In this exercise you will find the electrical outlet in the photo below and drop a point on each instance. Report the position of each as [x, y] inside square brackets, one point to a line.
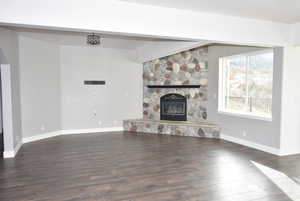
[99, 123]
[95, 113]
[244, 133]
[215, 96]
[43, 127]
[115, 122]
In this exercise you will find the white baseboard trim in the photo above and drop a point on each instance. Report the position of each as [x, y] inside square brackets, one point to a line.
[289, 152]
[8, 154]
[91, 130]
[70, 132]
[12, 154]
[17, 148]
[251, 144]
[40, 137]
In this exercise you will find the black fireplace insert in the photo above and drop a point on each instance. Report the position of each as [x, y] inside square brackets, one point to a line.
[173, 107]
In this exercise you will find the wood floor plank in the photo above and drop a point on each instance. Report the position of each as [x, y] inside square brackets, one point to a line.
[122, 166]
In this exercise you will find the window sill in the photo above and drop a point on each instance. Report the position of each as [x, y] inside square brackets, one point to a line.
[245, 115]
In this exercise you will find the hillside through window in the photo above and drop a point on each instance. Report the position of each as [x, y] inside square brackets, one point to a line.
[245, 84]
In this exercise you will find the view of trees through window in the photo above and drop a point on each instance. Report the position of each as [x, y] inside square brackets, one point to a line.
[246, 85]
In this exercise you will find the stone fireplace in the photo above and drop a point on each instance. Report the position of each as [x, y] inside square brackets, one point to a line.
[175, 96]
[173, 107]
[177, 74]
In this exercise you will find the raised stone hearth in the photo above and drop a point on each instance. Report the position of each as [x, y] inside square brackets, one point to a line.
[180, 128]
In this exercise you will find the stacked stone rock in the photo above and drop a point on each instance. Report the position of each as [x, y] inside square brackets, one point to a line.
[208, 131]
[185, 68]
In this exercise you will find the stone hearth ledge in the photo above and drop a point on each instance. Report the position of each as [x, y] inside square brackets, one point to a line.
[179, 128]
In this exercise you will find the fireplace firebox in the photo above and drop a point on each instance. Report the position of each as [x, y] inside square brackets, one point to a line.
[173, 107]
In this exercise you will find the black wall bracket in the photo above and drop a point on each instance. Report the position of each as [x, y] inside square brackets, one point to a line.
[94, 82]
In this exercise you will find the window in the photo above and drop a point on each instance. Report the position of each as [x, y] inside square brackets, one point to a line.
[245, 84]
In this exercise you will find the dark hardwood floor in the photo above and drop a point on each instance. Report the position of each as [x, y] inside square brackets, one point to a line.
[135, 167]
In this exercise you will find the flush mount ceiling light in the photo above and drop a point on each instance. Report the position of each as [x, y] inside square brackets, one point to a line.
[93, 39]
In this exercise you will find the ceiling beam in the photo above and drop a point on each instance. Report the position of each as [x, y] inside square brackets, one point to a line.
[116, 17]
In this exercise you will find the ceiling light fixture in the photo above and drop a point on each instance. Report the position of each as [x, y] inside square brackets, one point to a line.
[93, 39]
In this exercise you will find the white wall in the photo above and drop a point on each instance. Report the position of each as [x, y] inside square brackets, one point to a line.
[40, 86]
[151, 50]
[85, 106]
[9, 46]
[8, 130]
[257, 131]
[295, 34]
[290, 120]
[53, 96]
[128, 18]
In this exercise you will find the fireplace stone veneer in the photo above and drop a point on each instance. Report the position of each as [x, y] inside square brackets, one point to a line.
[189, 68]
[172, 110]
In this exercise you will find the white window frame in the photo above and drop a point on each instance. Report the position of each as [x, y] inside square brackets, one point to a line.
[221, 88]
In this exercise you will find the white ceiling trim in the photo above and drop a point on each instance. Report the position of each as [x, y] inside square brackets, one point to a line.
[143, 20]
